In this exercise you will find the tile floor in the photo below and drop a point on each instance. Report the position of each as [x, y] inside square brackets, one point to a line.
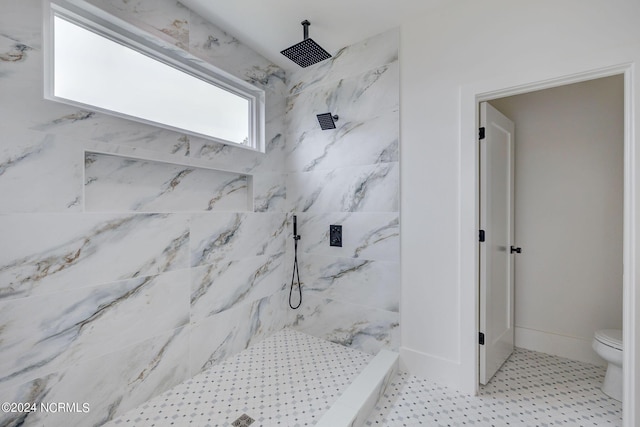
[289, 379]
[531, 389]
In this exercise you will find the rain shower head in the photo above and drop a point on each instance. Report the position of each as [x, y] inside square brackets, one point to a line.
[327, 121]
[307, 52]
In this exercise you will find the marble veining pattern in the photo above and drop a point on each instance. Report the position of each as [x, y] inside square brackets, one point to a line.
[351, 144]
[167, 16]
[217, 237]
[354, 280]
[364, 328]
[366, 235]
[21, 27]
[269, 193]
[357, 99]
[80, 250]
[105, 298]
[143, 186]
[25, 154]
[245, 324]
[368, 54]
[68, 327]
[105, 269]
[120, 380]
[372, 188]
[220, 286]
[348, 176]
[222, 49]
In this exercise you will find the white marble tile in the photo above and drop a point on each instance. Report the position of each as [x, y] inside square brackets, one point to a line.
[217, 237]
[118, 132]
[372, 188]
[121, 184]
[21, 22]
[110, 384]
[352, 143]
[363, 328]
[269, 192]
[167, 16]
[365, 235]
[223, 285]
[25, 157]
[244, 324]
[365, 55]
[355, 100]
[226, 52]
[67, 327]
[354, 280]
[51, 253]
[21, 73]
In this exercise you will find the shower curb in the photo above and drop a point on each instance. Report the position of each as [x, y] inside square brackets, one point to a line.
[356, 403]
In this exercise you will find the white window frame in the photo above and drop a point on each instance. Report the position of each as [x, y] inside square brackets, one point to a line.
[98, 21]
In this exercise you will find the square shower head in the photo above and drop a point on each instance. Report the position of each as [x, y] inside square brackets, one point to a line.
[306, 53]
[327, 121]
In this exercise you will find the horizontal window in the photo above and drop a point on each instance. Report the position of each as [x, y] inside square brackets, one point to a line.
[100, 62]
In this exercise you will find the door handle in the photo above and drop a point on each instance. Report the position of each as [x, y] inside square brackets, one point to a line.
[516, 250]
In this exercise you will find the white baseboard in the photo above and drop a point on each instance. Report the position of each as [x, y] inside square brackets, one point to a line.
[441, 371]
[557, 345]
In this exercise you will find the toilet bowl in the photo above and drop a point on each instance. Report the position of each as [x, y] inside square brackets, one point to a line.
[608, 344]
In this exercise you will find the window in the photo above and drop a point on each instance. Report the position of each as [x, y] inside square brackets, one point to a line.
[97, 61]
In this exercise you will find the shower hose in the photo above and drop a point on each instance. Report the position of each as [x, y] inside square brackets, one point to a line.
[295, 273]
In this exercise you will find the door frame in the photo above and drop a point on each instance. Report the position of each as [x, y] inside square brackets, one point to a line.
[470, 97]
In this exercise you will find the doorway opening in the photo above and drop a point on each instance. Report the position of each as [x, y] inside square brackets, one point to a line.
[538, 307]
[567, 214]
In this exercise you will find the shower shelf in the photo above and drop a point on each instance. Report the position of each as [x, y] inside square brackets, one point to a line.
[125, 179]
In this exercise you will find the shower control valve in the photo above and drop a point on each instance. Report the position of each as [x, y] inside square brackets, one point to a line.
[335, 235]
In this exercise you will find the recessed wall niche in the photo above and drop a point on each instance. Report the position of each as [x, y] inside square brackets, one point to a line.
[116, 183]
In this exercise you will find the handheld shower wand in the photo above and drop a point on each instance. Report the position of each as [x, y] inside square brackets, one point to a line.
[296, 237]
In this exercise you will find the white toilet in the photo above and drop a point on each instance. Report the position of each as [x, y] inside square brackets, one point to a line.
[608, 344]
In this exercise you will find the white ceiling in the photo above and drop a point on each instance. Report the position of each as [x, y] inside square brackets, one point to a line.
[269, 26]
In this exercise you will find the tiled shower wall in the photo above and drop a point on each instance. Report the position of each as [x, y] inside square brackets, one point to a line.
[348, 176]
[124, 271]
[127, 262]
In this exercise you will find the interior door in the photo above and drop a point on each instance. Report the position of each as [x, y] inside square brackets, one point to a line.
[496, 259]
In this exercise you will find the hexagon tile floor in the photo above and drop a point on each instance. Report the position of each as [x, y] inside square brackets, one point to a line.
[531, 389]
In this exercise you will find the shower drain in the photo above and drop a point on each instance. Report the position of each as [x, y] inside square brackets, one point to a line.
[244, 421]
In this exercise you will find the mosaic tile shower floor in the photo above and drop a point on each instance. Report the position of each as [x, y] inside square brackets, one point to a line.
[289, 379]
[531, 389]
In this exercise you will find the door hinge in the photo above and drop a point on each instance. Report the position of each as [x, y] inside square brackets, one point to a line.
[482, 235]
[481, 339]
[481, 133]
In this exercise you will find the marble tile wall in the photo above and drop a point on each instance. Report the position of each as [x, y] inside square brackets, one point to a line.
[122, 277]
[122, 184]
[348, 176]
[113, 288]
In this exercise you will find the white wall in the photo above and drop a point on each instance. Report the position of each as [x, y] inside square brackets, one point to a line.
[568, 207]
[447, 57]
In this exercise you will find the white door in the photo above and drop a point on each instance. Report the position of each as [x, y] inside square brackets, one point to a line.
[496, 260]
